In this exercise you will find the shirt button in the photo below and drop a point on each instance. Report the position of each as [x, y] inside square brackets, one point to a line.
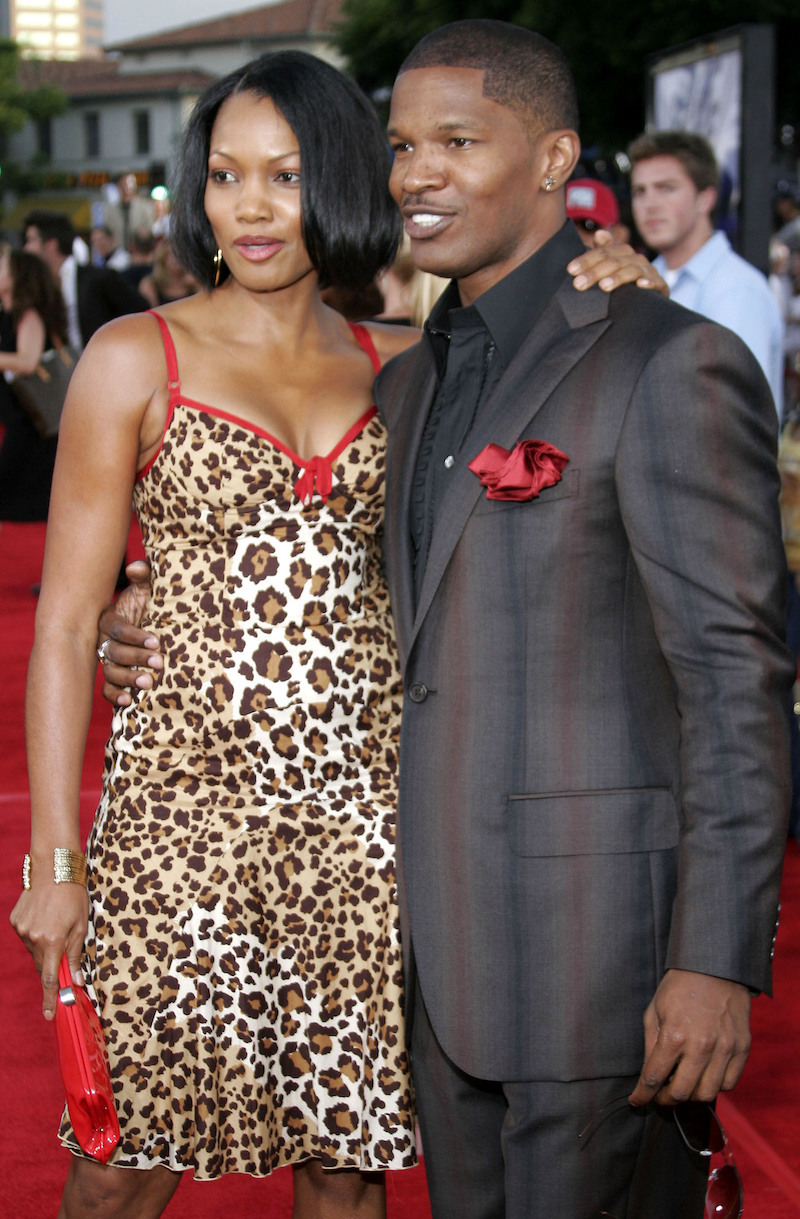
[417, 692]
[449, 462]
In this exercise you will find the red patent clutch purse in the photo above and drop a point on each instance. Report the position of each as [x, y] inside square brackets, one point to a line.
[83, 1061]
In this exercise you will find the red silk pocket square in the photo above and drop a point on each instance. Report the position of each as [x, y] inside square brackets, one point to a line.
[519, 473]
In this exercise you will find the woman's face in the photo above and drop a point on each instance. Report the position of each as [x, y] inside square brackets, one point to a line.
[252, 196]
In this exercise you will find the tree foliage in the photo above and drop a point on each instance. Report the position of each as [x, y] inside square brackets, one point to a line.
[605, 41]
[18, 102]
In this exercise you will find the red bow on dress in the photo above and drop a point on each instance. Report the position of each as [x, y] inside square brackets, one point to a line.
[317, 476]
[519, 473]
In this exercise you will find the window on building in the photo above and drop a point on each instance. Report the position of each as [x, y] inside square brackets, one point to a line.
[91, 129]
[141, 131]
[38, 40]
[32, 21]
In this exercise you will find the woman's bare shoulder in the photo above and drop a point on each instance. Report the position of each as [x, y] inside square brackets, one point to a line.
[138, 336]
[125, 354]
[391, 340]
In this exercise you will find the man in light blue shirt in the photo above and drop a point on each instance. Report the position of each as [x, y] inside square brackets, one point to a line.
[674, 192]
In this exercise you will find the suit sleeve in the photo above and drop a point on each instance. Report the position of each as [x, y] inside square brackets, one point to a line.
[697, 487]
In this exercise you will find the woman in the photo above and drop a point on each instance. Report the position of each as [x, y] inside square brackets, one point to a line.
[408, 293]
[33, 305]
[242, 945]
[169, 280]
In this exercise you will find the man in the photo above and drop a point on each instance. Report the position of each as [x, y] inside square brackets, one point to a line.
[105, 251]
[787, 213]
[593, 760]
[591, 206]
[674, 191]
[129, 211]
[143, 248]
[93, 295]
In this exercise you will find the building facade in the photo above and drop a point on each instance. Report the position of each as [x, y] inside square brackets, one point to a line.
[56, 29]
[127, 109]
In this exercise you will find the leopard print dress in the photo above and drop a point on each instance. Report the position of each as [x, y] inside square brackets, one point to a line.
[243, 948]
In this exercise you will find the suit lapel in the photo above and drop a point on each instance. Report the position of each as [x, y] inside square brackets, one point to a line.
[405, 437]
[570, 325]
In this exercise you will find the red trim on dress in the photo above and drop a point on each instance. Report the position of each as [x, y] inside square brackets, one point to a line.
[316, 473]
[173, 385]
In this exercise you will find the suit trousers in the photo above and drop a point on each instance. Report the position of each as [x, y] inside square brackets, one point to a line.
[512, 1150]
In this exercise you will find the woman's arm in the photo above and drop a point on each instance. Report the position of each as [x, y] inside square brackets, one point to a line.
[30, 345]
[115, 391]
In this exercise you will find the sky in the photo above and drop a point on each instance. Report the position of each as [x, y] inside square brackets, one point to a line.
[124, 19]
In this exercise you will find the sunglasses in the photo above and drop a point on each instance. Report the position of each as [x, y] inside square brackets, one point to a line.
[704, 1135]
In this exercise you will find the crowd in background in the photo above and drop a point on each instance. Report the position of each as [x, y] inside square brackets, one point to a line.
[135, 268]
[785, 283]
[124, 264]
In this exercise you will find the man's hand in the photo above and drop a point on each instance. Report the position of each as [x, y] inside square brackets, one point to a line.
[697, 1038]
[132, 656]
[611, 265]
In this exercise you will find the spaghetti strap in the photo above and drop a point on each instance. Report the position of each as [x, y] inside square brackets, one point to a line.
[173, 385]
[364, 340]
[173, 380]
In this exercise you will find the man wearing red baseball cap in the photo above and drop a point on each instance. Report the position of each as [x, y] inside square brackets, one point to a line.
[592, 205]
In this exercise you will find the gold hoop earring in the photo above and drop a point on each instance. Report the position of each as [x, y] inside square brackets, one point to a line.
[549, 182]
[217, 260]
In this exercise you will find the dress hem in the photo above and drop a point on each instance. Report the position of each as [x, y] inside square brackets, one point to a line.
[411, 1161]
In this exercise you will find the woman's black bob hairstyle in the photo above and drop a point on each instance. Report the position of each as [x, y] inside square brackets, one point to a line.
[351, 225]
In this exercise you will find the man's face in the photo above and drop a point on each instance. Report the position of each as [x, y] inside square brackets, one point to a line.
[102, 242]
[670, 213]
[33, 240]
[47, 250]
[467, 178]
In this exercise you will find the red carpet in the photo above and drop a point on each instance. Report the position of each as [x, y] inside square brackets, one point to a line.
[760, 1116]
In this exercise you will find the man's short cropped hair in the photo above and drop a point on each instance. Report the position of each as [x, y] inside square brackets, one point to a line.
[51, 225]
[351, 225]
[522, 70]
[693, 151]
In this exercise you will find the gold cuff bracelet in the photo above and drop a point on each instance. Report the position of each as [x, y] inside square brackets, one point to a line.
[68, 867]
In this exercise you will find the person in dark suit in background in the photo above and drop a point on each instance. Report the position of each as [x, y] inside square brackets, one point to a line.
[584, 558]
[93, 295]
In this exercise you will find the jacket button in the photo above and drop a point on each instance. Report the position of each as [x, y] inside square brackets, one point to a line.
[417, 692]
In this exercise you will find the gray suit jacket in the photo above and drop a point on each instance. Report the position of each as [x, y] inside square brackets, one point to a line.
[594, 775]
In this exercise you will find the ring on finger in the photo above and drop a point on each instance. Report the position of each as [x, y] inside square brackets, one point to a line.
[102, 651]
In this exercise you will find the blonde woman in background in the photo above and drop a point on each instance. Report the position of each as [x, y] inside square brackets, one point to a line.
[408, 293]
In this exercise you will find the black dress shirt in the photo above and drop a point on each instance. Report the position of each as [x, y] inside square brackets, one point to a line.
[473, 345]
